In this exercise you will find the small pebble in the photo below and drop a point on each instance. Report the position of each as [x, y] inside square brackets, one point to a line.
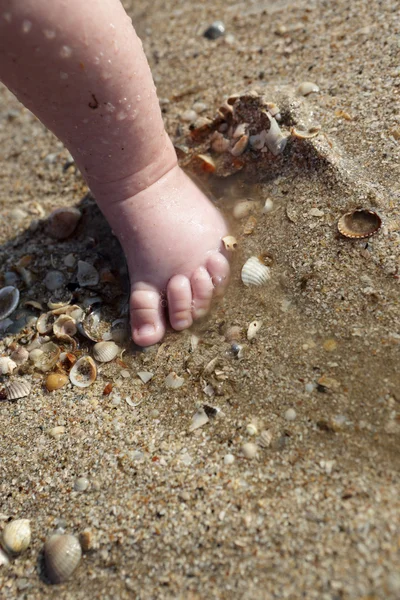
[229, 459]
[81, 484]
[54, 280]
[290, 414]
[268, 206]
[307, 87]
[215, 30]
[189, 116]
[199, 107]
[56, 432]
[309, 387]
[249, 450]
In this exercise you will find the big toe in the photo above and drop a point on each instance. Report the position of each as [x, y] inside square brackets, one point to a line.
[147, 314]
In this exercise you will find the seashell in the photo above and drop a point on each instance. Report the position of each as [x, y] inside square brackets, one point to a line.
[62, 555]
[64, 325]
[45, 357]
[189, 116]
[202, 163]
[303, 134]
[84, 372]
[105, 351]
[307, 87]
[233, 333]
[257, 141]
[265, 438]
[249, 450]
[62, 222]
[7, 365]
[230, 243]
[18, 388]
[89, 327]
[33, 304]
[199, 419]
[74, 311]
[87, 274]
[274, 138]
[58, 303]
[219, 143]
[254, 272]
[243, 208]
[268, 206]
[20, 355]
[173, 381]
[16, 536]
[56, 432]
[9, 299]
[251, 429]
[253, 329]
[145, 376]
[4, 560]
[215, 30]
[274, 110]
[240, 146]
[54, 280]
[70, 260]
[359, 223]
[240, 130]
[56, 381]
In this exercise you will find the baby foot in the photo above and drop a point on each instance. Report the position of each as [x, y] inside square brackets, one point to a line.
[171, 235]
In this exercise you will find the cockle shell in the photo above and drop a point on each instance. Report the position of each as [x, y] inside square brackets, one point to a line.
[16, 536]
[18, 388]
[84, 372]
[105, 351]
[64, 325]
[44, 324]
[254, 272]
[62, 222]
[87, 274]
[62, 555]
[7, 365]
[9, 299]
[359, 223]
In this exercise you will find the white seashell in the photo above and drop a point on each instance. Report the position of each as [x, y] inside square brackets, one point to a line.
[265, 438]
[62, 222]
[254, 272]
[56, 432]
[240, 146]
[57, 304]
[16, 536]
[4, 560]
[229, 459]
[62, 555]
[219, 143]
[173, 381]
[243, 209]
[9, 299]
[44, 324]
[274, 139]
[87, 274]
[257, 141]
[84, 372]
[251, 429]
[54, 280]
[230, 243]
[274, 110]
[20, 355]
[268, 206]
[7, 365]
[253, 329]
[64, 325]
[75, 312]
[105, 351]
[240, 130]
[249, 450]
[290, 414]
[145, 376]
[198, 420]
[45, 357]
[307, 87]
[19, 388]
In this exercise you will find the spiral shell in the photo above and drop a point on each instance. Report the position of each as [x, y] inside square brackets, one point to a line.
[84, 372]
[19, 388]
[62, 555]
[9, 299]
[105, 351]
[87, 274]
[254, 272]
[16, 536]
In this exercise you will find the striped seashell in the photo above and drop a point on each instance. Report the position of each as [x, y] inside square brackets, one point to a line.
[16, 536]
[18, 388]
[62, 555]
[105, 351]
[254, 272]
[359, 223]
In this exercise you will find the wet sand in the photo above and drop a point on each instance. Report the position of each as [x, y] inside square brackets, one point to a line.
[315, 513]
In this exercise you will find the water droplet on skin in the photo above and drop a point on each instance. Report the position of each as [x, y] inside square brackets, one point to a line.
[133, 115]
[96, 60]
[121, 115]
[65, 51]
[138, 98]
[7, 16]
[63, 75]
[112, 25]
[49, 34]
[106, 75]
[26, 26]
[110, 107]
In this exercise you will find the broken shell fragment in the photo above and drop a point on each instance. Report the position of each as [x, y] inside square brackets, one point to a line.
[64, 325]
[9, 299]
[307, 87]
[240, 146]
[105, 351]
[219, 143]
[14, 390]
[7, 365]
[87, 274]
[359, 223]
[84, 372]
[253, 329]
[44, 324]
[173, 381]
[303, 134]
[20, 355]
[274, 138]
[62, 555]
[199, 419]
[202, 163]
[45, 357]
[62, 222]
[56, 381]
[16, 536]
[254, 272]
[230, 243]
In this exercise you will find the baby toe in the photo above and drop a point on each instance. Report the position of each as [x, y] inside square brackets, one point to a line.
[147, 318]
[179, 294]
[218, 268]
[202, 290]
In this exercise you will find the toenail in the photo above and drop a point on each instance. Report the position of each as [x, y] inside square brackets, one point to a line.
[146, 330]
[182, 324]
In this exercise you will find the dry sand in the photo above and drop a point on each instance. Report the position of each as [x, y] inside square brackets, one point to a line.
[315, 514]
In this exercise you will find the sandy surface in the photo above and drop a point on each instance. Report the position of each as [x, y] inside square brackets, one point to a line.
[315, 514]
